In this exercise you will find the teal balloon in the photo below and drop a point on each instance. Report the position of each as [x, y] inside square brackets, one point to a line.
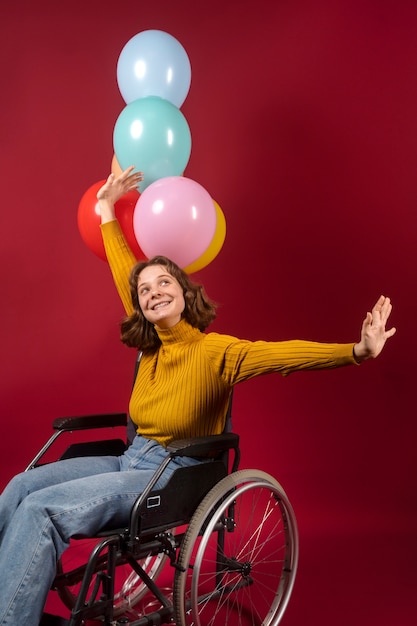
[153, 135]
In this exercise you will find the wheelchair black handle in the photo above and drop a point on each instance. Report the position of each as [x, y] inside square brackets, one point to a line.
[84, 422]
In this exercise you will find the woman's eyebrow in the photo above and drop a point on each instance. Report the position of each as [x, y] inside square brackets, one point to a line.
[146, 282]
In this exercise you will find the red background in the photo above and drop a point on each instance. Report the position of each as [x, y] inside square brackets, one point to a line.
[304, 124]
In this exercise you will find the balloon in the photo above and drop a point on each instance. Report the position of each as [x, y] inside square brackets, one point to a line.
[175, 217]
[215, 246]
[154, 136]
[88, 219]
[154, 63]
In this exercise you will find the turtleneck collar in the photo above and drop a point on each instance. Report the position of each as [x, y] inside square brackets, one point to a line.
[183, 331]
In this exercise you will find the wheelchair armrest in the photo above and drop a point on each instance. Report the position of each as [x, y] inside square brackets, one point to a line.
[203, 446]
[84, 422]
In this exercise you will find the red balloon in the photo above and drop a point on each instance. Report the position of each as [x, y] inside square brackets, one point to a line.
[88, 219]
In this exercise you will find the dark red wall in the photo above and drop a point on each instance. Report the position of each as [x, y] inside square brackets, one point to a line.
[304, 124]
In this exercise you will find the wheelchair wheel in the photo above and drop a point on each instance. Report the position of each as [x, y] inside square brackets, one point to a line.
[239, 556]
[129, 587]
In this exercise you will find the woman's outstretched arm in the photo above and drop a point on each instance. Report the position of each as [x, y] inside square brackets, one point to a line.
[119, 255]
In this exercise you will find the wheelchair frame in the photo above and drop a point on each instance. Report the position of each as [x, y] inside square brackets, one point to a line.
[231, 540]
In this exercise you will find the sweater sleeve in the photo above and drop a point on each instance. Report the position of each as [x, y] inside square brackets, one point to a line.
[121, 260]
[238, 360]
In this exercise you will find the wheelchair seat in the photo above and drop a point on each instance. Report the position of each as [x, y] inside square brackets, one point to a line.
[226, 539]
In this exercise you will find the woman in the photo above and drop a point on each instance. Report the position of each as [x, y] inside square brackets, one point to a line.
[186, 377]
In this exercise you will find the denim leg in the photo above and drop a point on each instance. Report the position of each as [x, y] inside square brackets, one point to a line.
[30, 541]
[49, 505]
[45, 476]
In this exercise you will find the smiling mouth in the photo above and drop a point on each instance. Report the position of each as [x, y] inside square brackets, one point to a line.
[160, 305]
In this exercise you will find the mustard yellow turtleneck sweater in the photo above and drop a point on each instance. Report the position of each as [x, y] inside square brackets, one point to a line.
[183, 389]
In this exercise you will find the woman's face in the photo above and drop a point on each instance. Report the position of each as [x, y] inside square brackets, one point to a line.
[161, 297]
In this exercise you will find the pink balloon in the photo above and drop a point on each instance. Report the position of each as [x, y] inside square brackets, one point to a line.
[175, 217]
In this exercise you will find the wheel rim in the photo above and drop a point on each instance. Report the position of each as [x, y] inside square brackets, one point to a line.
[258, 560]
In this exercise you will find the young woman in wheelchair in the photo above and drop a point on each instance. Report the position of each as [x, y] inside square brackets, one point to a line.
[186, 378]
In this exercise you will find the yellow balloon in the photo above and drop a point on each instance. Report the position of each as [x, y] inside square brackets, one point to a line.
[215, 246]
[115, 167]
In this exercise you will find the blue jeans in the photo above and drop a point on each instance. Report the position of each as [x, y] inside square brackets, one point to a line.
[40, 510]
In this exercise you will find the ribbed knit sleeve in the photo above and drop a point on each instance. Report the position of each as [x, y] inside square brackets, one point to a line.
[237, 360]
[183, 389]
[121, 260]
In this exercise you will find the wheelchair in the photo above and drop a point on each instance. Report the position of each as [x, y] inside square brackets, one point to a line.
[223, 541]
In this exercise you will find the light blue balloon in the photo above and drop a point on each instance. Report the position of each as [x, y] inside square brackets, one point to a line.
[153, 135]
[154, 63]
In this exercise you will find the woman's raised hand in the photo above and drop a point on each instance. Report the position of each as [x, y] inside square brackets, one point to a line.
[114, 188]
[373, 334]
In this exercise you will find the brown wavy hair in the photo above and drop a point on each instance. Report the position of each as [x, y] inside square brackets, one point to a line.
[199, 311]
